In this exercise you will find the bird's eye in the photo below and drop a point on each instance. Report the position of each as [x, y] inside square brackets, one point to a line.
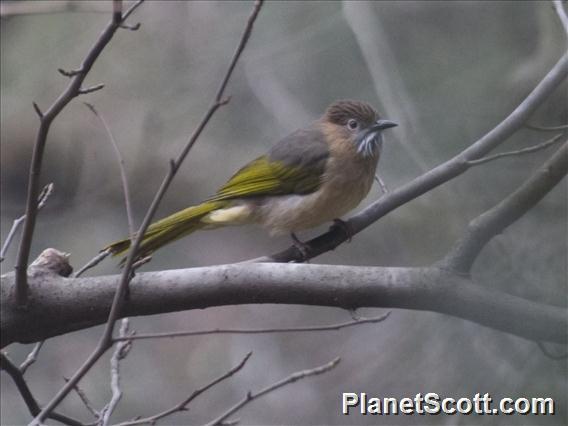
[352, 124]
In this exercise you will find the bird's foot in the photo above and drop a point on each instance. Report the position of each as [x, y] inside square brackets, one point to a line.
[345, 227]
[302, 247]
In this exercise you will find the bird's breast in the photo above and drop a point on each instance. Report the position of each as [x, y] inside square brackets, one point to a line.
[345, 183]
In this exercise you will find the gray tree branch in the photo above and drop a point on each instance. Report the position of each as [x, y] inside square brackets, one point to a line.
[483, 228]
[61, 305]
[30, 401]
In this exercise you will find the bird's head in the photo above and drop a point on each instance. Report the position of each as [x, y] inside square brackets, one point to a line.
[358, 123]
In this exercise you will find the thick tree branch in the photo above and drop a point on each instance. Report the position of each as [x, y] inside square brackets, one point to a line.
[435, 177]
[481, 230]
[61, 305]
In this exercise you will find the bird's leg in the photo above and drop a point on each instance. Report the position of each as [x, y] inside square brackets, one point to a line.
[302, 247]
[345, 227]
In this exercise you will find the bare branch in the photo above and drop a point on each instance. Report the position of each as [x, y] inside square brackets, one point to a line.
[122, 289]
[44, 195]
[492, 222]
[529, 150]
[134, 27]
[547, 128]
[72, 90]
[230, 422]
[120, 352]
[131, 10]
[90, 89]
[299, 375]
[358, 321]
[71, 73]
[123, 177]
[42, 199]
[38, 110]
[33, 407]
[548, 354]
[381, 183]
[85, 400]
[561, 15]
[182, 406]
[93, 262]
[62, 305]
[31, 358]
[141, 262]
[238, 52]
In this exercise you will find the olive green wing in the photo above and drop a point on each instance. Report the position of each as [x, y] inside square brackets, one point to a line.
[293, 166]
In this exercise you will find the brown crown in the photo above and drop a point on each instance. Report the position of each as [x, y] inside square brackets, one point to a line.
[340, 112]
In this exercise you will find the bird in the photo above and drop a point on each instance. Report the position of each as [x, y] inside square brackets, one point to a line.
[312, 176]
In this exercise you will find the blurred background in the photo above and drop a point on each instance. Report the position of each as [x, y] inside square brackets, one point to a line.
[447, 72]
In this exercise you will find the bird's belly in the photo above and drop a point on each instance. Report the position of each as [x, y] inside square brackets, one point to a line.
[289, 213]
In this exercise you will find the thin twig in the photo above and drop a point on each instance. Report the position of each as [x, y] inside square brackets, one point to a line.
[239, 50]
[381, 183]
[339, 326]
[72, 90]
[523, 151]
[134, 27]
[130, 11]
[91, 89]
[93, 262]
[547, 128]
[43, 196]
[38, 110]
[105, 341]
[70, 73]
[548, 354]
[33, 407]
[85, 400]
[559, 8]
[290, 379]
[120, 352]
[31, 358]
[182, 406]
[120, 159]
[482, 229]
[230, 422]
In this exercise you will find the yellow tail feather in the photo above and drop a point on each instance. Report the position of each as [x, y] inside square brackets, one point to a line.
[170, 228]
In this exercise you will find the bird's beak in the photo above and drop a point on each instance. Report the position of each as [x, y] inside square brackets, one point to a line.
[384, 124]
